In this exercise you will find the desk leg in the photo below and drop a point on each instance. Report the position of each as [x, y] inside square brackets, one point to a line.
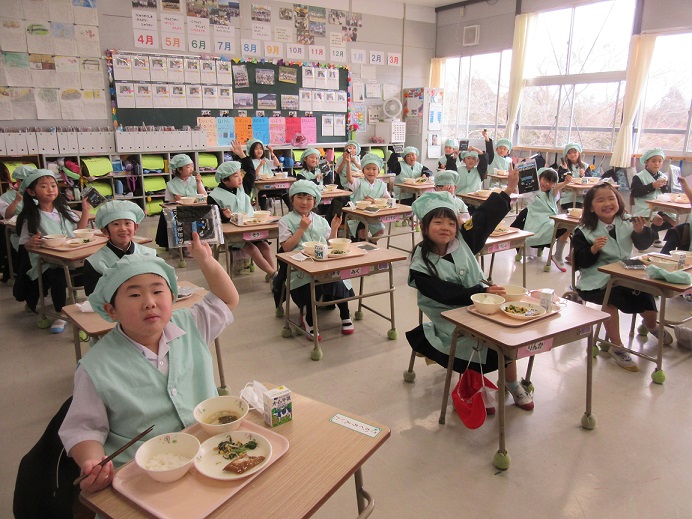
[490, 271]
[501, 459]
[448, 379]
[363, 496]
[286, 332]
[546, 268]
[222, 389]
[70, 287]
[77, 342]
[659, 376]
[588, 421]
[523, 266]
[10, 266]
[316, 353]
[606, 297]
[389, 233]
[43, 321]
[392, 334]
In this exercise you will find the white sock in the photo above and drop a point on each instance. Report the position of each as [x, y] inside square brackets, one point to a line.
[560, 249]
[512, 385]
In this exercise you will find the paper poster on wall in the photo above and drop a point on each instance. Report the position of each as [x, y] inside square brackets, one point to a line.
[335, 39]
[38, 37]
[390, 90]
[47, 103]
[178, 97]
[144, 97]
[12, 35]
[308, 127]
[207, 71]
[264, 76]
[243, 101]
[288, 75]
[318, 101]
[332, 78]
[17, 69]
[261, 13]
[125, 95]
[194, 96]
[145, 20]
[172, 23]
[225, 131]
[358, 117]
[308, 77]
[273, 49]
[71, 104]
[434, 147]
[376, 57]
[243, 129]
[158, 69]
[225, 97]
[42, 68]
[337, 55]
[328, 125]
[95, 105]
[277, 130]
[210, 96]
[292, 128]
[88, 43]
[330, 104]
[282, 34]
[24, 105]
[368, 72]
[339, 125]
[85, 12]
[176, 69]
[64, 38]
[122, 68]
[162, 96]
[414, 125]
[240, 76]
[197, 26]
[140, 68]
[260, 129]
[208, 124]
[289, 102]
[357, 91]
[224, 39]
[224, 76]
[295, 51]
[261, 31]
[90, 73]
[266, 101]
[305, 104]
[321, 78]
[373, 91]
[6, 113]
[67, 73]
[359, 56]
[251, 48]
[435, 116]
[173, 41]
[374, 114]
[342, 101]
[192, 72]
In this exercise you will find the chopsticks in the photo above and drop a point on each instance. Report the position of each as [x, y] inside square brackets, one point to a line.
[486, 282]
[116, 453]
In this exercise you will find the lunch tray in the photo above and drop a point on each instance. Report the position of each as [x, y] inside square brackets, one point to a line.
[194, 495]
[500, 317]
[65, 247]
[271, 220]
[355, 252]
[510, 230]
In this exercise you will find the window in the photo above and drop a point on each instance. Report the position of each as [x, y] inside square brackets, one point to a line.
[576, 69]
[666, 104]
[475, 97]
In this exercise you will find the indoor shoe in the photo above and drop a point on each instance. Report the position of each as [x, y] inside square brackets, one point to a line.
[58, 326]
[347, 327]
[623, 359]
[518, 256]
[310, 335]
[522, 398]
[658, 244]
[667, 338]
[559, 264]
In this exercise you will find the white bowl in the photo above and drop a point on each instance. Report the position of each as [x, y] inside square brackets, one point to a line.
[487, 304]
[188, 200]
[262, 216]
[380, 202]
[330, 187]
[309, 247]
[513, 292]
[575, 212]
[206, 411]
[54, 240]
[410, 181]
[501, 172]
[362, 204]
[178, 444]
[534, 310]
[84, 234]
[340, 243]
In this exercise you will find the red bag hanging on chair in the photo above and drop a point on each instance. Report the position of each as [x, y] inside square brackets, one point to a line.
[470, 397]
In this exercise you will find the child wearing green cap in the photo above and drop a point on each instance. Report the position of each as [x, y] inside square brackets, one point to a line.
[154, 367]
[310, 159]
[448, 161]
[472, 170]
[649, 184]
[119, 221]
[254, 165]
[445, 272]
[45, 212]
[408, 168]
[301, 225]
[447, 181]
[498, 155]
[368, 188]
[183, 183]
[231, 198]
[348, 161]
[573, 165]
[11, 204]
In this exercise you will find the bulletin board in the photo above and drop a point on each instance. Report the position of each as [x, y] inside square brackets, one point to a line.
[259, 85]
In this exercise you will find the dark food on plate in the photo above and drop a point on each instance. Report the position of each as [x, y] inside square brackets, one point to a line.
[231, 450]
[243, 463]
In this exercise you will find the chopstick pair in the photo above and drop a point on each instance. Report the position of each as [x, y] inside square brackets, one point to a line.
[116, 453]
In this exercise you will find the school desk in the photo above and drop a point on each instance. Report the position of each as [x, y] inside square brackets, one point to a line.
[680, 209]
[562, 221]
[416, 189]
[580, 188]
[329, 196]
[474, 199]
[378, 261]
[515, 240]
[386, 216]
[233, 233]
[387, 178]
[327, 445]
[639, 280]
[572, 323]
[500, 179]
[274, 183]
[70, 259]
[96, 327]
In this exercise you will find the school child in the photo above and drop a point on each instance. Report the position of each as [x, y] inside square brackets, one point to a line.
[231, 198]
[11, 204]
[182, 184]
[154, 367]
[679, 236]
[572, 164]
[446, 274]
[408, 168]
[498, 155]
[472, 170]
[447, 181]
[349, 160]
[606, 235]
[367, 188]
[537, 216]
[45, 212]
[301, 225]
[310, 159]
[254, 165]
[119, 221]
[449, 160]
[648, 184]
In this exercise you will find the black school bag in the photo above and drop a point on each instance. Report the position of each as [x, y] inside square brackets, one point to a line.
[44, 488]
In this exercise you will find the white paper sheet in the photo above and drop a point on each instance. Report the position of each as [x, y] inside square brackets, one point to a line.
[140, 68]
[178, 97]
[192, 72]
[6, 113]
[176, 70]
[162, 96]
[91, 73]
[64, 38]
[71, 104]
[207, 71]
[224, 76]
[122, 67]
[34, 9]
[12, 35]
[96, 105]
[38, 37]
[23, 103]
[67, 72]
[47, 103]
[144, 97]
[88, 43]
[60, 11]
[158, 68]
[194, 96]
[125, 95]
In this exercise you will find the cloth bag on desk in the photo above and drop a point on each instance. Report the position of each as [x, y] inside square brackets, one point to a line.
[678, 277]
[472, 394]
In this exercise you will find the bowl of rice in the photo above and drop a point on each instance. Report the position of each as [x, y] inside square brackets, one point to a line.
[487, 304]
[168, 457]
[221, 414]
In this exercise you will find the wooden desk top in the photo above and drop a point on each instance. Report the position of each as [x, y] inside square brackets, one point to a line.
[79, 254]
[640, 276]
[481, 198]
[416, 188]
[231, 229]
[571, 316]
[335, 193]
[521, 234]
[374, 257]
[678, 207]
[399, 210]
[95, 325]
[576, 185]
[274, 180]
[322, 455]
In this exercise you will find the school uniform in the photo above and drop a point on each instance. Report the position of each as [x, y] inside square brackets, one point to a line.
[567, 196]
[361, 189]
[234, 199]
[178, 186]
[402, 171]
[5, 201]
[642, 189]
[538, 219]
[447, 162]
[592, 283]
[96, 265]
[343, 181]
[121, 387]
[469, 181]
[495, 161]
[458, 278]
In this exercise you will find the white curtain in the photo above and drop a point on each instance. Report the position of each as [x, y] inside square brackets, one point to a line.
[437, 72]
[638, 63]
[522, 29]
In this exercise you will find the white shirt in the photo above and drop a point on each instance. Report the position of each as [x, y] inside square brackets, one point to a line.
[53, 215]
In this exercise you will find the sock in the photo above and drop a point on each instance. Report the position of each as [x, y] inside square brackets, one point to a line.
[560, 249]
[512, 385]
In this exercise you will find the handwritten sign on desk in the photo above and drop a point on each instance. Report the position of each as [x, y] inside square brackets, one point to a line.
[354, 272]
[497, 247]
[355, 425]
[278, 185]
[390, 218]
[255, 235]
[535, 348]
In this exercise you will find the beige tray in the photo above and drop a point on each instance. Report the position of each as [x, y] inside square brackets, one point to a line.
[505, 320]
[511, 230]
[272, 219]
[194, 495]
[98, 240]
[354, 250]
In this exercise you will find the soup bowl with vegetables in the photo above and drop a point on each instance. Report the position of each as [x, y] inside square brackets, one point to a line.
[221, 414]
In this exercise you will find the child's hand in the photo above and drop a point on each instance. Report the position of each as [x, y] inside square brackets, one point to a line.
[199, 249]
[512, 180]
[598, 244]
[658, 220]
[484, 133]
[35, 241]
[198, 177]
[638, 223]
[99, 477]
[86, 206]
[305, 222]
[237, 148]
[658, 184]
[177, 198]
[495, 289]
[226, 212]
[581, 172]
[568, 178]
[319, 177]
[369, 199]
[336, 223]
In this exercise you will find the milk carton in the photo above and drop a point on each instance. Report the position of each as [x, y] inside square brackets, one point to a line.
[278, 408]
[545, 296]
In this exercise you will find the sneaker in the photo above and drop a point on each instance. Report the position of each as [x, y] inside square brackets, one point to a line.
[658, 244]
[540, 253]
[310, 335]
[518, 256]
[623, 359]
[58, 326]
[347, 327]
[559, 264]
[667, 338]
[522, 399]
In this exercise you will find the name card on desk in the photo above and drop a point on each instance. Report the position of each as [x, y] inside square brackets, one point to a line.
[278, 186]
[355, 425]
[390, 218]
[255, 235]
[354, 272]
[535, 348]
[497, 247]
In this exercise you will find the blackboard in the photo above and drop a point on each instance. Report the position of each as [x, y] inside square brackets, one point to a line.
[179, 117]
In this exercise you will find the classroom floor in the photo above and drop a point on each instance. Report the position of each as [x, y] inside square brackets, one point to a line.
[634, 464]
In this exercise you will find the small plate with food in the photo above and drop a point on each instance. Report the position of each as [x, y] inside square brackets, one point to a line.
[234, 455]
[522, 310]
[336, 253]
[78, 242]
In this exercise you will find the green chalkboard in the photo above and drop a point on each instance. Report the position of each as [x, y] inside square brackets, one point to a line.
[179, 117]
